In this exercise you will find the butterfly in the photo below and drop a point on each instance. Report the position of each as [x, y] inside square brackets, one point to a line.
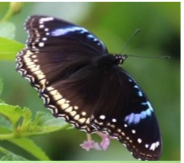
[79, 80]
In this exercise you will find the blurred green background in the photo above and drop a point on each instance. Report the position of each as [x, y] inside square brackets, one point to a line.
[113, 23]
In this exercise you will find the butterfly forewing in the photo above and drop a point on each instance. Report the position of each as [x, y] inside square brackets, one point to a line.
[56, 50]
[55, 35]
[62, 62]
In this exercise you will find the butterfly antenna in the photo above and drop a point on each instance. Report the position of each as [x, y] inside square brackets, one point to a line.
[160, 57]
[129, 55]
[133, 35]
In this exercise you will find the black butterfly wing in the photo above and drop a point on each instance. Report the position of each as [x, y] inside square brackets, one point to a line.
[55, 51]
[56, 35]
[75, 97]
[57, 46]
[125, 112]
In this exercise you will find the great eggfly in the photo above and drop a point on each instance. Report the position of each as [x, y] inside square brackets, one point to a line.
[79, 80]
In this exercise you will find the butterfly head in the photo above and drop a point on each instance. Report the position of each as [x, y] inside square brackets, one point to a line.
[119, 59]
[108, 61]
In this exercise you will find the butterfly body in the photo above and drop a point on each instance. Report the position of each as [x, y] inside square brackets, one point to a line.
[81, 82]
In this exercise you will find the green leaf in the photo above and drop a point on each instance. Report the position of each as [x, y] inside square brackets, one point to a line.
[7, 30]
[43, 123]
[5, 123]
[12, 113]
[30, 147]
[47, 123]
[9, 156]
[23, 124]
[12, 157]
[9, 49]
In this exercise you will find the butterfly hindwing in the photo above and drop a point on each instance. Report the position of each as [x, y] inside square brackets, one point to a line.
[73, 100]
[129, 116]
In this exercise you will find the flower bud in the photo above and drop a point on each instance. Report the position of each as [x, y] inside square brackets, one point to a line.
[16, 6]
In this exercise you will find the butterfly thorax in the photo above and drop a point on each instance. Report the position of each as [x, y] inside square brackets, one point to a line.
[109, 61]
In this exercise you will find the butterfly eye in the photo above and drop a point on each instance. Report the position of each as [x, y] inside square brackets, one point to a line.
[81, 82]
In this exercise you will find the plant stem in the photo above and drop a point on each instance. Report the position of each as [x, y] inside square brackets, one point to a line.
[8, 15]
[89, 138]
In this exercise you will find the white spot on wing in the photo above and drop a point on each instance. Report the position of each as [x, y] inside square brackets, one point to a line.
[44, 38]
[76, 107]
[125, 125]
[114, 120]
[153, 146]
[41, 44]
[46, 19]
[157, 144]
[102, 117]
[135, 86]
[69, 109]
[41, 26]
[146, 145]
[133, 131]
[83, 113]
[139, 140]
[140, 93]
